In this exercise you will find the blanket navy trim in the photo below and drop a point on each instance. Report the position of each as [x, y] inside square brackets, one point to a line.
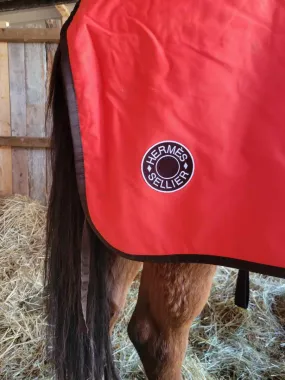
[79, 163]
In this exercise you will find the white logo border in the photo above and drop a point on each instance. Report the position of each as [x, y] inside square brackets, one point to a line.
[163, 142]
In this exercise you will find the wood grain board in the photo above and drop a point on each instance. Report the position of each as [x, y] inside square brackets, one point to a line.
[11, 5]
[18, 116]
[30, 35]
[35, 61]
[25, 142]
[5, 125]
[50, 53]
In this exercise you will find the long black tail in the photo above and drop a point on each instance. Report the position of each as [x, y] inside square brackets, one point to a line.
[77, 352]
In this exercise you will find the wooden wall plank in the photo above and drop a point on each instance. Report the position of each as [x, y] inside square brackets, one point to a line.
[63, 10]
[50, 53]
[30, 35]
[25, 142]
[11, 5]
[5, 128]
[23, 17]
[35, 61]
[18, 116]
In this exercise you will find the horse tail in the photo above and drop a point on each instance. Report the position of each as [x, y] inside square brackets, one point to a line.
[79, 350]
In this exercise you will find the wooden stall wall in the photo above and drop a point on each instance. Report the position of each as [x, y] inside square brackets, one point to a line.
[25, 69]
[5, 123]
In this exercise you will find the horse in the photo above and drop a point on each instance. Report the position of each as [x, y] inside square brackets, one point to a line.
[87, 281]
[171, 295]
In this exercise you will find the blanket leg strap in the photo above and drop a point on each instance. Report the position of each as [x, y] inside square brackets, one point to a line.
[85, 268]
[242, 289]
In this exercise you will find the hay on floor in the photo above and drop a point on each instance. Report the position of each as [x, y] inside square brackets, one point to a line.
[225, 341]
[21, 307]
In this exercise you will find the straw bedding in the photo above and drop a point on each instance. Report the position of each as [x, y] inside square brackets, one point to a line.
[225, 341]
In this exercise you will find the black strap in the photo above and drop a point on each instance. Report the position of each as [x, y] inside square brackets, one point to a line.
[242, 289]
[85, 268]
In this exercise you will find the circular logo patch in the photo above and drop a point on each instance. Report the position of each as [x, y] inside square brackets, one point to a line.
[167, 166]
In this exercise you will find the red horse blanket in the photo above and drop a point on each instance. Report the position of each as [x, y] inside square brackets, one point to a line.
[177, 111]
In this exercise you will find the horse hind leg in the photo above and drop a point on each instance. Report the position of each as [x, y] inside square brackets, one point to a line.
[121, 274]
[171, 296]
